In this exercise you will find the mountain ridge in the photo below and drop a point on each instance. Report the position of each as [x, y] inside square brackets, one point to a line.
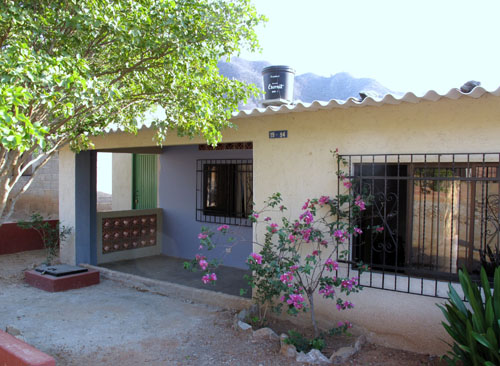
[308, 87]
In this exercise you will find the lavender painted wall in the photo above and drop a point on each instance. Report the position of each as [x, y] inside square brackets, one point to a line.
[177, 197]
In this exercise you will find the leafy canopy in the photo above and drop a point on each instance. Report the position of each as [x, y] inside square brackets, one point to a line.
[71, 68]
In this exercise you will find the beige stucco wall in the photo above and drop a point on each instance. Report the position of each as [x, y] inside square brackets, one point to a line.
[122, 182]
[302, 166]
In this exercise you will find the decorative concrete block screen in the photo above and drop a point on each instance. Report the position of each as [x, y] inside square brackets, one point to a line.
[128, 234]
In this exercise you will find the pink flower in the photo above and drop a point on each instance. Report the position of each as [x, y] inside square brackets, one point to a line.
[203, 264]
[256, 215]
[344, 305]
[379, 229]
[324, 200]
[199, 257]
[291, 238]
[273, 227]
[200, 247]
[327, 291]
[256, 257]
[202, 236]
[306, 204]
[282, 208]
[307, 217]
[209, 278]
[223, 228]
[296, 300]
[341, 235]
[324, 243]
[286, 277]
[360, 203]
[306, 234]
[358, 231]
[331, 265]
[267, 218]
[315, 252]
[347, 324]
[347, 184]
[294, 268]
[348, 284]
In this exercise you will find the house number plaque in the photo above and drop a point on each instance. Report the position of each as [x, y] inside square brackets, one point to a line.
[283, 134]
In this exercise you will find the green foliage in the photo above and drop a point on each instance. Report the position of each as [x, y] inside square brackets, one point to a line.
[50, 235]
[475, 328]
[70, 69]
[302, 343]
[300, 258]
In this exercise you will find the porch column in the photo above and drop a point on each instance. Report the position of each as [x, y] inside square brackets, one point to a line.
[77, 205]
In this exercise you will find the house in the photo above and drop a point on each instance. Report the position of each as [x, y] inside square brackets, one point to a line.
[431, 163]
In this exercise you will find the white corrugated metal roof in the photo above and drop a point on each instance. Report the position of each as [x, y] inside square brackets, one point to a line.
[431, 95]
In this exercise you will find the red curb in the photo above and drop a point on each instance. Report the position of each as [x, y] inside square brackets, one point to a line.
[51, 283]
[14, 352]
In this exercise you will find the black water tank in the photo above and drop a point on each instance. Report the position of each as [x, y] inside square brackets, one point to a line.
[278, 84]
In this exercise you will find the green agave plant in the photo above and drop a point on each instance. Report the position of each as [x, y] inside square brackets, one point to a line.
[474, 328]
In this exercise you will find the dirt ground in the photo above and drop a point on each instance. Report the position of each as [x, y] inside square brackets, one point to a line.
[111, 324]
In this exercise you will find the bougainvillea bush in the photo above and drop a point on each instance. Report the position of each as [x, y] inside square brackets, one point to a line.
[297, 259]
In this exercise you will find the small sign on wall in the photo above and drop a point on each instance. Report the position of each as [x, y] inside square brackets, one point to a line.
[283, 134]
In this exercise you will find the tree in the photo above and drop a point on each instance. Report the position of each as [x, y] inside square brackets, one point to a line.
[69, 69]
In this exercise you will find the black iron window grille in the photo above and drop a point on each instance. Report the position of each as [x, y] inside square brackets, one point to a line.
[224, 191]
[439, 213]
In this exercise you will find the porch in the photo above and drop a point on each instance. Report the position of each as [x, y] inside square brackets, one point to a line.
[158, 209]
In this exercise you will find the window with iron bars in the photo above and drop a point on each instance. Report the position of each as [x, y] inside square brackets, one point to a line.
[224, 191]
[439, 212]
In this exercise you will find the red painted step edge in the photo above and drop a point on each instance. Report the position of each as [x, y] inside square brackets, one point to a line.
[50, 283]
[14, 352]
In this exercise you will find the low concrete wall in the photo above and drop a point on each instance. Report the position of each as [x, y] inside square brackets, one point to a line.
[13, 239]
[18, 353]
[123, 230]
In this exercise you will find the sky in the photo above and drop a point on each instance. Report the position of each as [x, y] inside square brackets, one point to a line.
[405, 45]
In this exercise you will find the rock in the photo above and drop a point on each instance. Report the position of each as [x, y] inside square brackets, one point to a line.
[12, 331]
[244, 327]
[21, 338]
[242, 315]
[288, 350]
[313, 357]
[266, 334]
[342, 355]
[359, 342]
[245, 314]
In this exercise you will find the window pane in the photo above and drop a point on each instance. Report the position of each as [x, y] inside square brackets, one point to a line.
[438, 202]
[227, 189]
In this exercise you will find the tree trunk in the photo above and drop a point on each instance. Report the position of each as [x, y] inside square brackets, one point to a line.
[12, 167]
[310, 297]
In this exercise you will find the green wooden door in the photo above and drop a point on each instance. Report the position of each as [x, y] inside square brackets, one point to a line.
[144, 186]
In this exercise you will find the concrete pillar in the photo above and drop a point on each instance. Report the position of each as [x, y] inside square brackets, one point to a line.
[122, 181]
[77, 205]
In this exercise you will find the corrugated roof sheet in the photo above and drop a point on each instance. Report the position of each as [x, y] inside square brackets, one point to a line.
[431, 95]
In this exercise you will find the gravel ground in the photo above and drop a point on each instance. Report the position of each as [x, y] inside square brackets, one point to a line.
[111, 324]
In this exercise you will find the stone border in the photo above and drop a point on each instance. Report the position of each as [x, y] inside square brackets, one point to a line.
[314, 357]
[170, 289]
